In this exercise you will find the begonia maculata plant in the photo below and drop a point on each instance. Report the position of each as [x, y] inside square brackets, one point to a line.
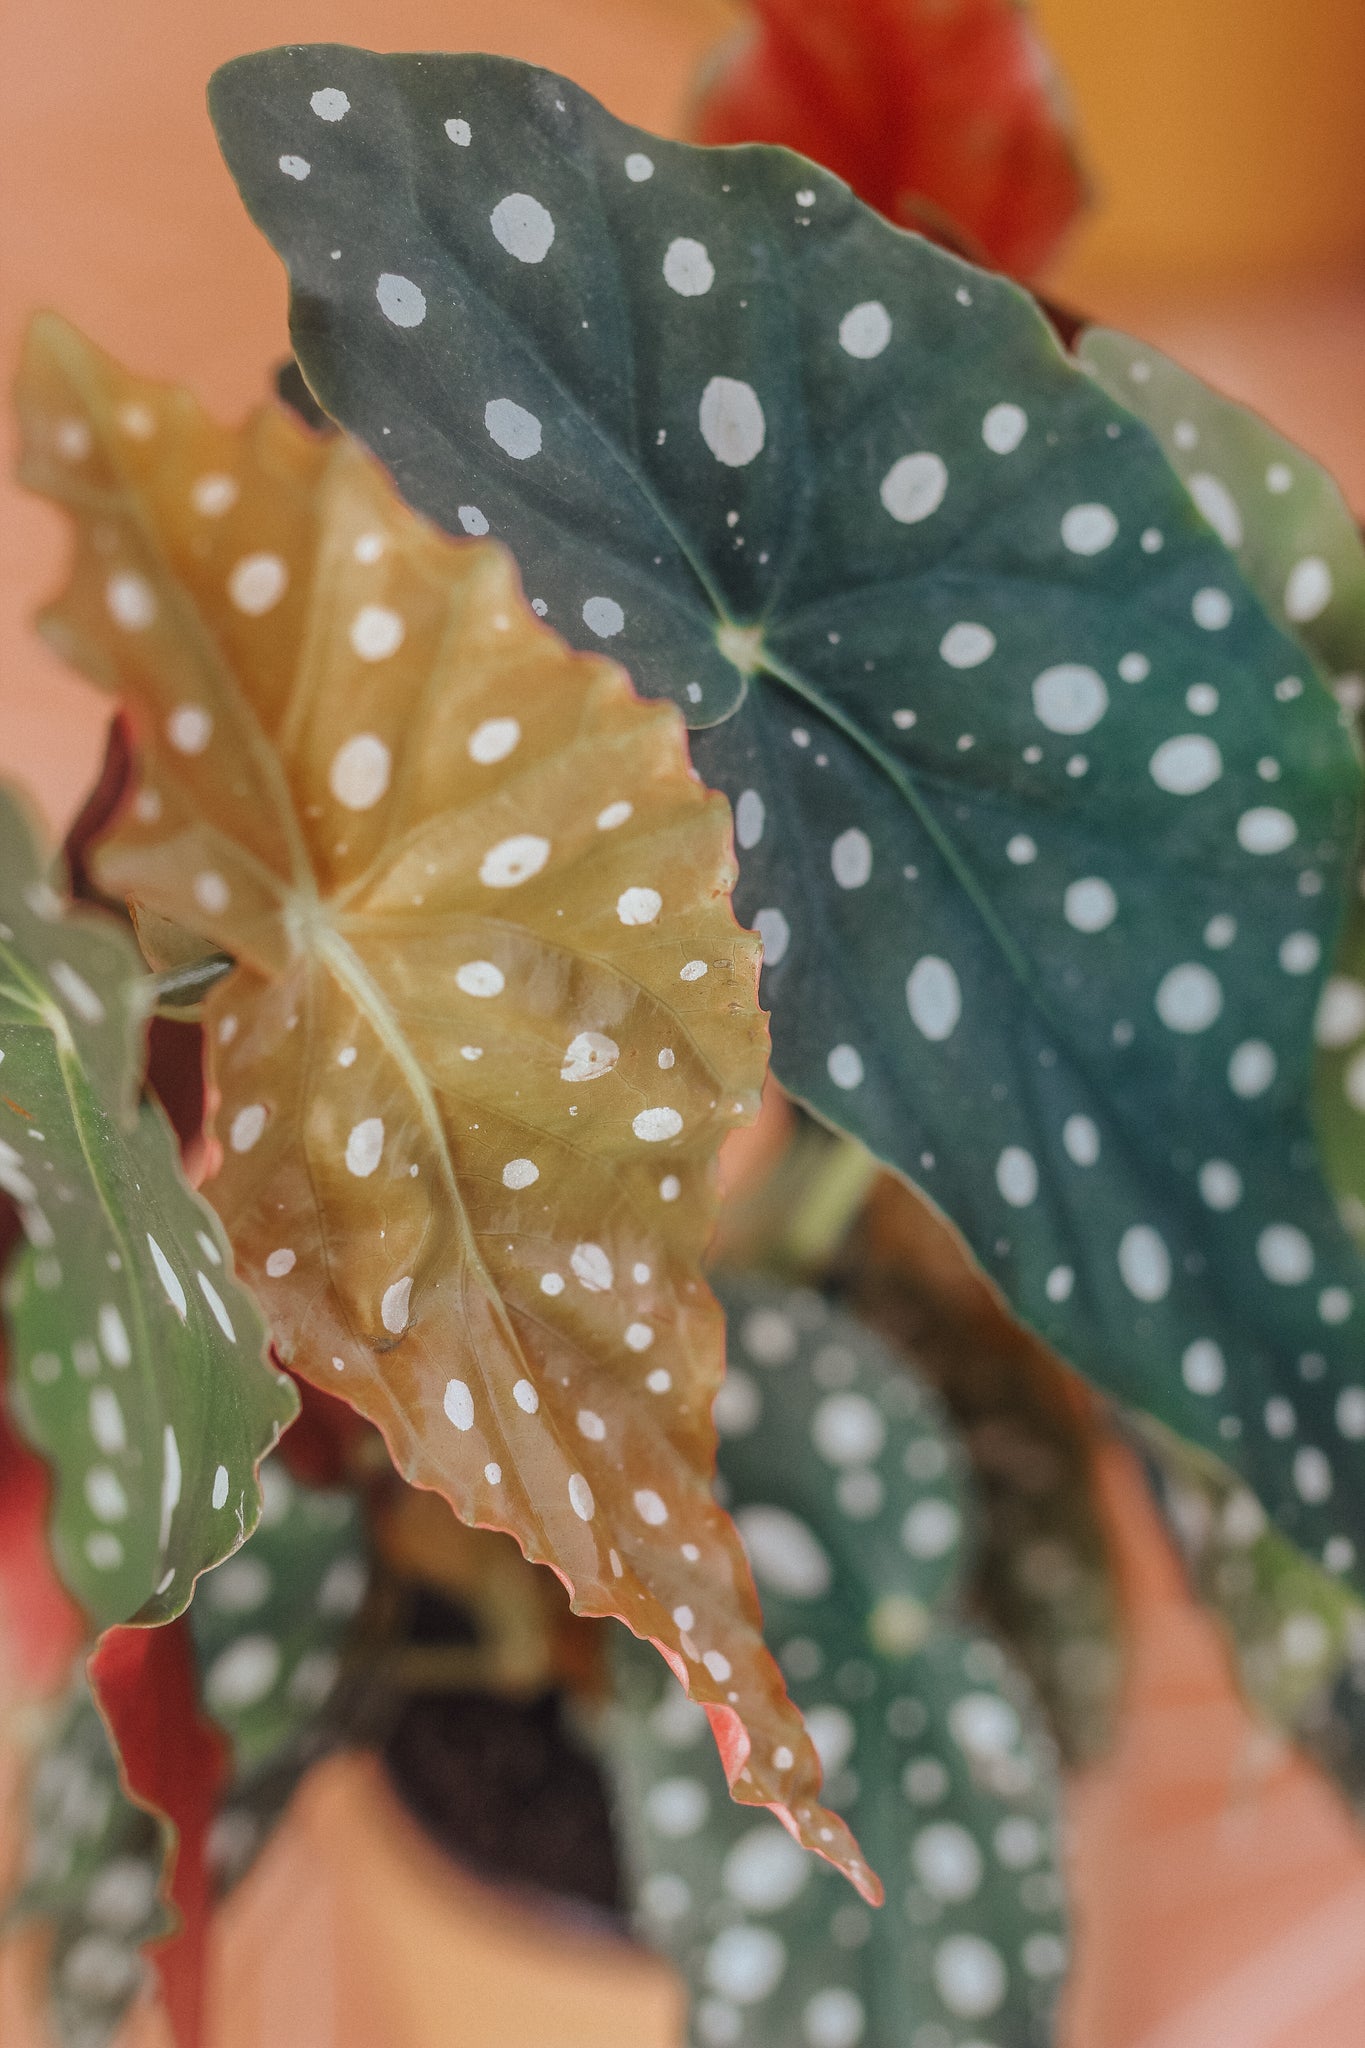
[688, 633]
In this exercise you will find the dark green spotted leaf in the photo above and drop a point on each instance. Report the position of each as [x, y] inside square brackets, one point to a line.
[270, 1629]
[940, 606]
[138, 1361]
[1301, 550]
[847, 1489]
[93, 1873]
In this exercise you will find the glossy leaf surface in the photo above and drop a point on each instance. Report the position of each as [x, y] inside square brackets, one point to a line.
[136, 1358]
[1301, 549]
[939, 115]
[987, 693]
[848, 1491]
[491, 1015]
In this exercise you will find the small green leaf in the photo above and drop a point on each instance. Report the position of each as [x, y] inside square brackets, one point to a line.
[987, 694]
[848, 1490]
[93, 1872]
[139, 1368]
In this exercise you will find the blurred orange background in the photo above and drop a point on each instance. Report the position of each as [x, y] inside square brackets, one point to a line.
[1219, 1885]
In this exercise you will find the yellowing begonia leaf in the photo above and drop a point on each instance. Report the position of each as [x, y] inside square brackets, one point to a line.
[491, 1014]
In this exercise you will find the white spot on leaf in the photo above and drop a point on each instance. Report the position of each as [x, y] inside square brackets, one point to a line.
[588, 1056]
[377, 631]
[850, 858]
[516, 431]
[1186, 765]
[1144, 1263]
[493, 740]
[656, 1125]
[257, 583]
[688, 270]
[514, 861]
[523, 226]
[360, 770]
[400, 300]
[1089, 529]
[458, 1404]
[365, 1147]
[480, 978]
[1070, 698]
[732, 422]
[865, 330]
[1004, 427]
[914, 487]
[637, 906]
[933, 997]
[393, 1309]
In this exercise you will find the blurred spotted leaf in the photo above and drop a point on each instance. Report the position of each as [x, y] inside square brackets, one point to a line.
[987, 693]
[270, 1633]
[491, 1014]
[823, 1214]
[949, 118]
[137, 1359]
[1301, 550]
[1041, 1571]
[848, 1491]
[93, 1872]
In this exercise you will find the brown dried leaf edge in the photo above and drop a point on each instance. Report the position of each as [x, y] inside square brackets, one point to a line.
[492, 1015]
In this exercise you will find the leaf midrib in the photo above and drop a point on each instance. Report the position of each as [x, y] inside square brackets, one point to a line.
[350, 973]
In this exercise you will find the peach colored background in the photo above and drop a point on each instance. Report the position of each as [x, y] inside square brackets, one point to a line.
[1220, 1888]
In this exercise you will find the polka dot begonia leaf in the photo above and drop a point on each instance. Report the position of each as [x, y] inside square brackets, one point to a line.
[848, 1492]
[269, 1625]
[270, 1634]
[93, 1875]
[946, 115]
[990, 698]
[138, 1366]
[1301, 550]
[491, 1014]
